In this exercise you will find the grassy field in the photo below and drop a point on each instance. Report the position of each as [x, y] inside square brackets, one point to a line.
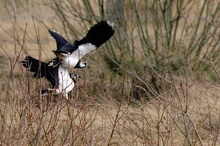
[169, 96]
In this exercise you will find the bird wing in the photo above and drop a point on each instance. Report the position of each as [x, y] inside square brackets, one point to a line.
[52, 76]
[99, 33]
[62, 44]
[96, 36]
[35, 66]
[82, 50]
[41, 69]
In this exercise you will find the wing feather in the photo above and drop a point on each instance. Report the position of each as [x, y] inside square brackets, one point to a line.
[62, 43]
[35, 66]
[96, 36]
[99, 33]
[41, 69]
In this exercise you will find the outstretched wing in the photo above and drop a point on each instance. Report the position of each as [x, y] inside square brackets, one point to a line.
[62, 44]
[96, 36]
[35, 66]
[41, 69]
[99, 34]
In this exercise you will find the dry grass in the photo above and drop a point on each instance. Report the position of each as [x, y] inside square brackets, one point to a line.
[99, 113]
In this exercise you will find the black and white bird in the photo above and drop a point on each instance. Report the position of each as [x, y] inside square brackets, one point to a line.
[69, 55]
[62, 82]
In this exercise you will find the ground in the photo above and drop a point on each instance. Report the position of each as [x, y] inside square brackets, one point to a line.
[187, 113]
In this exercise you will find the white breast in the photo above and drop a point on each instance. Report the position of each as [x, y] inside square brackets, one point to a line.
[66, 84]
[70, 61]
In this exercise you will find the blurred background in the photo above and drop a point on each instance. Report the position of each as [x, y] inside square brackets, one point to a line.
[162, 63]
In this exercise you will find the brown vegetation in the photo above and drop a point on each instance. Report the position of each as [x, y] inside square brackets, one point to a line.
[123, 98]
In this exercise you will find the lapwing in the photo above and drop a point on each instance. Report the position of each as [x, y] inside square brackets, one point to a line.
[69, 55]
[62, 82]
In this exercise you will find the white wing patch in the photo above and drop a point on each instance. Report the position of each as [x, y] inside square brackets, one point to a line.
[85, 49]
[82, 50]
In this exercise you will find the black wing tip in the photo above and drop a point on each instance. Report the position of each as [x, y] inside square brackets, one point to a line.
[111, 24]
[26, 57]
[106, 24]
[53, 31]
[35, 66]
[99, 33]
[50, 31]
[25, 61]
